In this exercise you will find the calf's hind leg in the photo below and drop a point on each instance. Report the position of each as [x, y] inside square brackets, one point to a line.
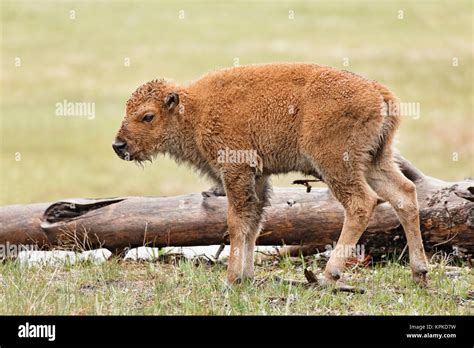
[391, 185]
[358, 200]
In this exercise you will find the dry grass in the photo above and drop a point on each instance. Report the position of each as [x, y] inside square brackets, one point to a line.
[45, 157]
[147, 288]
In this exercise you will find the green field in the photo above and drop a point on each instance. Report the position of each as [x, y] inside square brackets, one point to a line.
[119, 288]
[46, 157]
[78, 51]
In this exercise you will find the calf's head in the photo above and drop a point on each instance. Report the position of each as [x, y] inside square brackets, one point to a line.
[148, 116]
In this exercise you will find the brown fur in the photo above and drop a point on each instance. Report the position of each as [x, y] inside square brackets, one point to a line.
[308, 118]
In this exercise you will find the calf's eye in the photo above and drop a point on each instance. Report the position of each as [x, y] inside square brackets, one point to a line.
[148, 118]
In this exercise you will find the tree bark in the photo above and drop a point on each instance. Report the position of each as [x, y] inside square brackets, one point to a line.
[308, 221]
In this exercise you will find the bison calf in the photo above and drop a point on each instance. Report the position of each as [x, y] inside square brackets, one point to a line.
[241, 125]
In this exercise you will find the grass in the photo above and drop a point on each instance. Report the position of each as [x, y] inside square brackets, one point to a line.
[148, 288]
[44, 157]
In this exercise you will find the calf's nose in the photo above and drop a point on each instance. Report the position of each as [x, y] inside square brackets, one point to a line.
[119, 145]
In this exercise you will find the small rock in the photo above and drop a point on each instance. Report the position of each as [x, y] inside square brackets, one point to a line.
[142, 254]
[96, 256]
[54, 257]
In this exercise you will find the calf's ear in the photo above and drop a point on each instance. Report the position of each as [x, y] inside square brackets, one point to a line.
[171, 102]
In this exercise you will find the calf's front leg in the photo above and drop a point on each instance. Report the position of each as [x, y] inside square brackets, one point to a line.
[243, 221]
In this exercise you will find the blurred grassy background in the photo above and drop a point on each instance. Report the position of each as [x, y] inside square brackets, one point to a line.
[82, 59]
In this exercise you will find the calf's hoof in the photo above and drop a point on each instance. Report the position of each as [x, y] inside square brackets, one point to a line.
[217, 191]
[238, 279]
[419, 272]
[331, 276]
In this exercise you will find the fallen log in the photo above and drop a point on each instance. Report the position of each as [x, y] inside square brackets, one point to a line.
[309, 221]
